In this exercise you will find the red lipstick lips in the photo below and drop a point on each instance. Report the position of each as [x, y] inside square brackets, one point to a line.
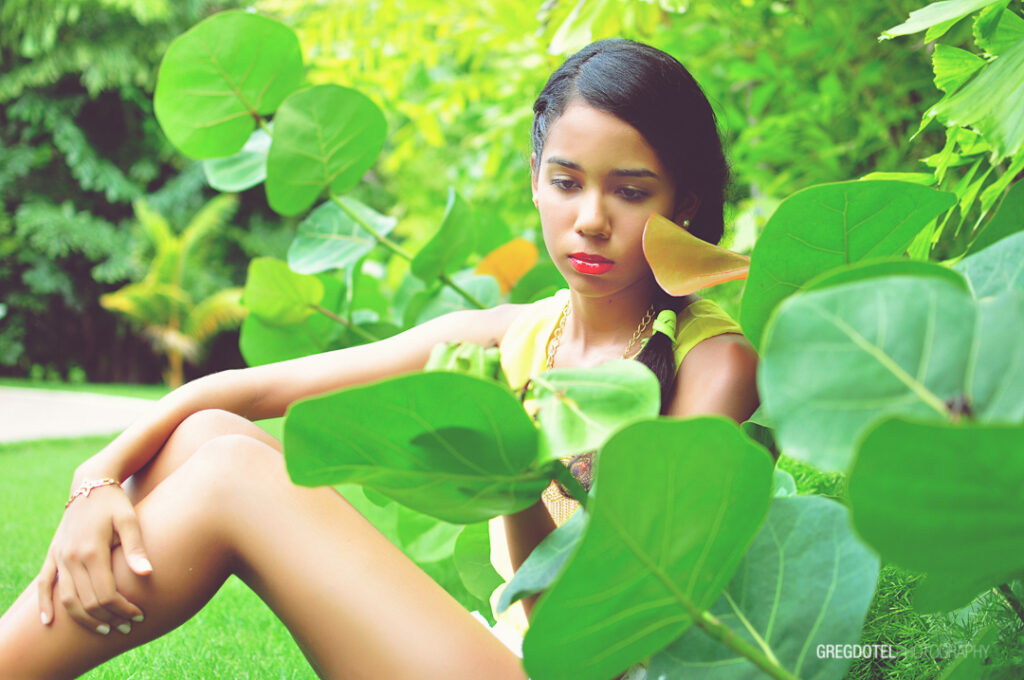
[585, 263]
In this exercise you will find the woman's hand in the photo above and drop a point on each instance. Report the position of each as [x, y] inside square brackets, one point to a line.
[78, 568]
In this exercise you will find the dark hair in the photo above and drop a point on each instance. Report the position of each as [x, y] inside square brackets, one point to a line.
[655, 94]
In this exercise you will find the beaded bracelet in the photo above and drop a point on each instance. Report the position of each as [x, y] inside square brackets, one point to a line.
[86, 488]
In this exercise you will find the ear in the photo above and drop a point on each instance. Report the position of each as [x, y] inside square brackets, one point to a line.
[686, 207]
[533, 175]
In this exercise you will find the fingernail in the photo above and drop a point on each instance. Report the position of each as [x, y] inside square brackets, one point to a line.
[45, 618]
[138, 618]
[103, 629]
[142, 564]
[125, 628]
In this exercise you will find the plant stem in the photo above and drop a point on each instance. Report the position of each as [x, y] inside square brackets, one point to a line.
[369, 337]
[398, 250]
[1011, 599]
[710, 624]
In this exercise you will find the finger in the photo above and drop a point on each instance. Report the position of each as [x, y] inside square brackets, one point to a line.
[127, 528]
[71, 583]
[44, 586]
[110, 605]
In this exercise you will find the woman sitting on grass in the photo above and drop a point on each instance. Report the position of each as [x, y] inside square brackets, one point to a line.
[621, 131]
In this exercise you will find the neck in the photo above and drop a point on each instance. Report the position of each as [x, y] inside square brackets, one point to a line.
[597, 323]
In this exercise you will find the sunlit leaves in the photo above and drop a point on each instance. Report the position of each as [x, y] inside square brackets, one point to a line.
[277, 295]
[454, 241]
[329, 238]
[935, 14]
[325, 137]
[956, 492]
[643, 569]
[245, 169]
[219, 76]
[683, 263]
[830, 225]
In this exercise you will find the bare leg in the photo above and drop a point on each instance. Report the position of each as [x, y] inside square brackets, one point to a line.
[355, 604]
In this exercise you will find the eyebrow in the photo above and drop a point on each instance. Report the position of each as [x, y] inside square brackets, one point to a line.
[618, 172]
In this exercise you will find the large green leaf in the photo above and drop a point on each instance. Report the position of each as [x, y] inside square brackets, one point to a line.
[435, 303]
[997, 29]
[472, 554]
[218, 76]
[245, 169]
[836, 358]
[996, 269]
[645, 568]
[934, 14]
[830, 225]
[279, 296]
[944, 499]
[578, 408]
[325, 137]
[263, 343]
[807, 580]
[454, 241]
[462, 463]
[1009, 219]
[992, 103]
[330, 239]
[545, 563]
[860, 271]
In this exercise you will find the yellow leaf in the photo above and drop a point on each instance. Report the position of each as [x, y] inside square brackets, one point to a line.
[507, 263]
[683, 263]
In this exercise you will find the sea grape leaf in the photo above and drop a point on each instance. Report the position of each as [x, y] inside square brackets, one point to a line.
[830, 225]
[279, 296]
[396, 436]
[545, 563]
[992, 103]
[472, 556]
[944, 499]
[244, 170]
[643, 568]
[806, 580]
[578, 408]
[329, 238]
[683, 263]
[454, 241]
[858, 271]
[263, 343]
[325, 137]
[934, 14]
[783, 483]
[509, 262]
[219, 75]
[468, 358]
[996, 269]
[445, 300]
[953, 67]
[540, 282]
[836, 358]
[1009, 219]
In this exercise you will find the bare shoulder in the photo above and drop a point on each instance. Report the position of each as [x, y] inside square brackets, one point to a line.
[719, 375]
[483, 327]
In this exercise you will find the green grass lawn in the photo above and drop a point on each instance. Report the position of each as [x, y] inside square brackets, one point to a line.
[115, 389]
[235, 636]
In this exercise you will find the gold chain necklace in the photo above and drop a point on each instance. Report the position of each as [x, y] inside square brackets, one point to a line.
[556, 336]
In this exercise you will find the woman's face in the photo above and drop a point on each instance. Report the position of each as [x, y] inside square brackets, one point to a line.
[595, 185]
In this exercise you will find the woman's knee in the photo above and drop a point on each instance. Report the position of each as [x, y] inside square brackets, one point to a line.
[232, 465]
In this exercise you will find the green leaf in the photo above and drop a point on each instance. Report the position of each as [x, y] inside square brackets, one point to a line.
[835, 359]
[469, 359]
[264, 343]
[869, 269]
[997, 29]
[462, 465]
[454, 241]
[578, 408]
[1009, 219]
[992, 103]
[944, 499]
[279, 296]
[325, 137]
[783, 483]
[244, 170]
[540, 282]
[221, 74]
[829, 225]
[935, 13]
[473, 561]
[483, 287]
[996, 269]
[545, 563]
[329, 238]
[807, 580]
[953, 67]
[644, 569]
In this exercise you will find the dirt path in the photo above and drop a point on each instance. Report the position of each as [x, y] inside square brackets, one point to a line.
[27, 414]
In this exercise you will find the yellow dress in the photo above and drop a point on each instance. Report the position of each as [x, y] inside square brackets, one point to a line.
[523, 352]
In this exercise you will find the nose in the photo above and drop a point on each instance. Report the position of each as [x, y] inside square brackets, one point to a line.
[592, 217]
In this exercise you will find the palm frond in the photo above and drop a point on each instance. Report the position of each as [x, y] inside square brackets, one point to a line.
[221, 311]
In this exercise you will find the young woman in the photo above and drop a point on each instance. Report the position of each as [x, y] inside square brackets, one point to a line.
[621, 131]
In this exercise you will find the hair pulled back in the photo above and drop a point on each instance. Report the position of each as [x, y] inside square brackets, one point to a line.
[655, 94]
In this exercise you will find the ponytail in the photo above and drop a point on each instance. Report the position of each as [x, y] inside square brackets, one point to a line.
[658, 354]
